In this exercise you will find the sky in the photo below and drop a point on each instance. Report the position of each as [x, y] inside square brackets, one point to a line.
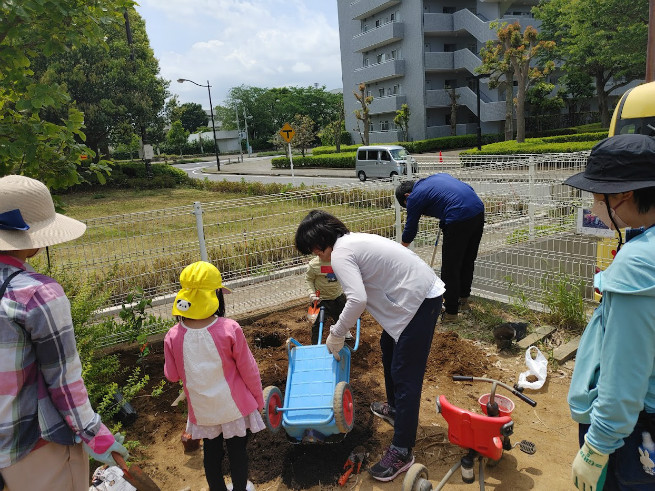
[260, 43]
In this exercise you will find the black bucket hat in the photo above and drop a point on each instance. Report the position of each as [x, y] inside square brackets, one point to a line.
[617, 164]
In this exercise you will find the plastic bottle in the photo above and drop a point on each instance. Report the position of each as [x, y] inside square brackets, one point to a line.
[647, 453]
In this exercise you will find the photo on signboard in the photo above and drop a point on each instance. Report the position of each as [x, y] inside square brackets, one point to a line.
[590, 224]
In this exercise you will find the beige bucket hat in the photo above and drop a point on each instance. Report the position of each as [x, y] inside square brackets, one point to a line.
[28, 219]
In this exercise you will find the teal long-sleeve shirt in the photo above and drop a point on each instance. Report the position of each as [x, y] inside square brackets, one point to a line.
[614, 375]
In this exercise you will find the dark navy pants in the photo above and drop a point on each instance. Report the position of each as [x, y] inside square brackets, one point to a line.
[404, 367]
[459, 250]
[624, 471]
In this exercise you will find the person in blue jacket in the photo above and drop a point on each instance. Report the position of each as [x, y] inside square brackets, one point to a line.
[461, 219]
[612, 393]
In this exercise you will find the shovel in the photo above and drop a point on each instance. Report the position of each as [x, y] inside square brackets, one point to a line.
[312, 311]
[134, 475]
[434, 251]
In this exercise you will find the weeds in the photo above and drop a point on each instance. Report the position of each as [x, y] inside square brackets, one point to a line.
[564, 298]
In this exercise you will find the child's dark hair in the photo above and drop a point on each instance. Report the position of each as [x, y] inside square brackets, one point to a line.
[319, 230]
[221, 303]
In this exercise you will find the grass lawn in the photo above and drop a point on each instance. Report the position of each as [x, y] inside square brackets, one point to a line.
[109, 202]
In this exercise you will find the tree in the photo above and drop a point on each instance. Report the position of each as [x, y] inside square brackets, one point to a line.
[575, 87]
[541, 102]
[191, 115]
[305, 133]
[177, 136]
[521, 48]
[401, 119]
[496, 63]
[605, 39]
[363, 114]
[31, 144]
[114, 85]
[453, 111]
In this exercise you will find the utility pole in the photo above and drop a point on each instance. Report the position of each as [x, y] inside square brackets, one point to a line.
[650, 50]
[245, 122]
[236, 111]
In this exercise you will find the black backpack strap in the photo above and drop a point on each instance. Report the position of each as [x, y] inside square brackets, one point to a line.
[6, 283]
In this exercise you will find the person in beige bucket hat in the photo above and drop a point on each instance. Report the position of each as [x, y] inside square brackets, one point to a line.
[43, 433]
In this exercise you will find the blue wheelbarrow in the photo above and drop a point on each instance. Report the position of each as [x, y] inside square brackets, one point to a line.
[318, 403]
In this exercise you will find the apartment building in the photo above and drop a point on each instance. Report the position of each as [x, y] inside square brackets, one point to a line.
[414, 52]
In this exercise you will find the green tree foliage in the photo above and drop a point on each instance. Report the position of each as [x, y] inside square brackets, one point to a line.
[177, 136]
[305, 135]
[363, 114]
[266, 110]
[496, 63]
[402, 120]
[603, 39]
[191, 115]
[116, 85]
[520, 49]
[30, 143]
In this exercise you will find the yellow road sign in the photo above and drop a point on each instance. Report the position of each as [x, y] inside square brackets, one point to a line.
[287, 133]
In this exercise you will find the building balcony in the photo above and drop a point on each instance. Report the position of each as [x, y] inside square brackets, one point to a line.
[438, 23]
[380, 36]
[387, 104]
[380, 71]
[360, 9]
[489, 110]
[436, 61]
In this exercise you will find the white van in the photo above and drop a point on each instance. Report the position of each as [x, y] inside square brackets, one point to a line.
[382, 161]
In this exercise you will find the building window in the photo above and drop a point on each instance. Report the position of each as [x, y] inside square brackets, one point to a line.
[378, 23]
[365, 61]
[449, 10]
[381, 92]
[368, 93]
[450, 84]
[393, 17]
[380, 58]
[384, 125]
[396, 89]
[392, 55]
[371, 128]
[388, 90]
[449, 48]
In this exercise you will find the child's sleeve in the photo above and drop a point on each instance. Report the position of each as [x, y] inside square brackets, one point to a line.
[170, 368]
[247, 366]
[310, 278]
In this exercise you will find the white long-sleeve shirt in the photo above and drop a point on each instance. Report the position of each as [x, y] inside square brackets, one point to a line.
[382, 276]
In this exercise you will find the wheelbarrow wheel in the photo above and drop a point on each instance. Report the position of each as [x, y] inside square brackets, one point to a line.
[271, 416]
[344, 407]
[416, 479]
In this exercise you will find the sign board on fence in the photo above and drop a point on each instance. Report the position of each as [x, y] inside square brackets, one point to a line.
[287, 133]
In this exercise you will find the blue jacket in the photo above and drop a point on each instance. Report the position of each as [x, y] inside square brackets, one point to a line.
[443, 197]
[614, 374]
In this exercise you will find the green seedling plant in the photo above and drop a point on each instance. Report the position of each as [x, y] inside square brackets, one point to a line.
[565, 301]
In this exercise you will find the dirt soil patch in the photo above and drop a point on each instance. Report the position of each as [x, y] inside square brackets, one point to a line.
[277, 464]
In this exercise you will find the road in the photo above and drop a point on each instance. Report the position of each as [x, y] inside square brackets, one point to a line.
[258, 169]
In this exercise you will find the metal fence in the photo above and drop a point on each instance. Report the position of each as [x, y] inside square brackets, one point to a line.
[529, 235]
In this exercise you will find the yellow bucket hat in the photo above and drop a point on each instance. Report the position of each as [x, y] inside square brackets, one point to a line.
[197, 299]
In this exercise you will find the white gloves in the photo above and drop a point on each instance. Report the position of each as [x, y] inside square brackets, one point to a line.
[589, 468]
[313, 297]
[334, 345]
[106, 457]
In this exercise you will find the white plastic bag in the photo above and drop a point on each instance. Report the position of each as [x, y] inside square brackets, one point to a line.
[110, 479]
[537, 366]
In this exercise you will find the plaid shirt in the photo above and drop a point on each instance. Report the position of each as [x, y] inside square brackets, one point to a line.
[42, 394]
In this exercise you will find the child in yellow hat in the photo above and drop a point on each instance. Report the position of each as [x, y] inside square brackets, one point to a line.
[210, 355]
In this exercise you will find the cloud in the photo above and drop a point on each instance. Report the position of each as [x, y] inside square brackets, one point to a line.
[263, 43]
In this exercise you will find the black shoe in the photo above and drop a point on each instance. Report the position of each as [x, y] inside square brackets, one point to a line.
[385, 411]
[392, 464]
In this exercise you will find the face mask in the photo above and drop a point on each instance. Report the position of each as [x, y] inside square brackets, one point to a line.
[599, 209]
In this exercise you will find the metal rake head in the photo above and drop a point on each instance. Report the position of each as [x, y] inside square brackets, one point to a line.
[526, 447]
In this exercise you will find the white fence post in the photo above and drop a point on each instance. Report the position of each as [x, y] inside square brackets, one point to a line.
[197, 211]
[396, 206]
[532, 198]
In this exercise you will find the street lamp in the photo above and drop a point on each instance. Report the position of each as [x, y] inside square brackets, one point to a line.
[477, 91]
[211, 112]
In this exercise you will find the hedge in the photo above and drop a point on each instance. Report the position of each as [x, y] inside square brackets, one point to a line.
[511, 147]
[335, 160]
[132, 175]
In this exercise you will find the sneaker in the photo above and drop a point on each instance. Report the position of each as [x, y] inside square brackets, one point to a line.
[249, 486]
[385, 411]
[464, 305]
[392, 464]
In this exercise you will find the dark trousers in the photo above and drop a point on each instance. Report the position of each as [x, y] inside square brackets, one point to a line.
[404, 367]
[624, 470]
[459, 250]
[333, 309]
[213, 462]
